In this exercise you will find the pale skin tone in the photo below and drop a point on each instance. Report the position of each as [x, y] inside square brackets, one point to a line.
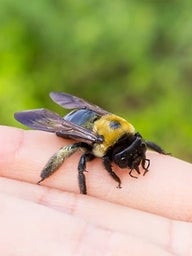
[150, 215]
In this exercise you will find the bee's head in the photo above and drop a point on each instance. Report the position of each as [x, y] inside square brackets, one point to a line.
[131, 152]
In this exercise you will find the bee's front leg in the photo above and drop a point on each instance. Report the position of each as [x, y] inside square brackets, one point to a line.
[108, 168]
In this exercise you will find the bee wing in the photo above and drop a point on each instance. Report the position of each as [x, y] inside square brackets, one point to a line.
[69, 101]
[46, 120]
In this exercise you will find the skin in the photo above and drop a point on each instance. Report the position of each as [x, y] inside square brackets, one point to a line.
[150, 215]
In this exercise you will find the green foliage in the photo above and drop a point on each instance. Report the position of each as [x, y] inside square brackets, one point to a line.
[134, 58]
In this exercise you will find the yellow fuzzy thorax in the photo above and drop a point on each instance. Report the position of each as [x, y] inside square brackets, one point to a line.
[112, 128]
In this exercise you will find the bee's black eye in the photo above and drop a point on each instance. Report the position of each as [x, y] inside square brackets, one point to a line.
[121, 160]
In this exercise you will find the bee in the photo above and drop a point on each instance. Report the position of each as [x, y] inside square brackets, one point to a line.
[97, 133]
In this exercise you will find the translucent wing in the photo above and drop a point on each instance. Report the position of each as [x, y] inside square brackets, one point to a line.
[69, 101]
[46, 120]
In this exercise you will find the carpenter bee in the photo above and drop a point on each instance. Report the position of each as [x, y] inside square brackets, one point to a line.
[97, 132]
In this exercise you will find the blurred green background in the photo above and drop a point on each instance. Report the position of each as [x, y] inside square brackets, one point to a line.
[133, 58]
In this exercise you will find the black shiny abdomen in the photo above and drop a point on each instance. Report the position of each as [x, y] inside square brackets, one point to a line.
[82, 117]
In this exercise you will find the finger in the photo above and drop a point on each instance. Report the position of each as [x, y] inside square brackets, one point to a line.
[43, 231]
[166, 189]
[138, 228]
[98, 212]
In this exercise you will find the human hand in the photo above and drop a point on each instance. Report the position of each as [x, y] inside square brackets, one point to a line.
[150, 215]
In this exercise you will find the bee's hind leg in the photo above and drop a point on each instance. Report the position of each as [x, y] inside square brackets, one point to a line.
[57, 160]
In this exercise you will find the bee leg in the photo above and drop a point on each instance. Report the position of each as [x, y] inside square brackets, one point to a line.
[136, 163]
[107, 165]
[81, 169]
[155, 147]
[133, 176]
[146, 168]
[57, 160]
